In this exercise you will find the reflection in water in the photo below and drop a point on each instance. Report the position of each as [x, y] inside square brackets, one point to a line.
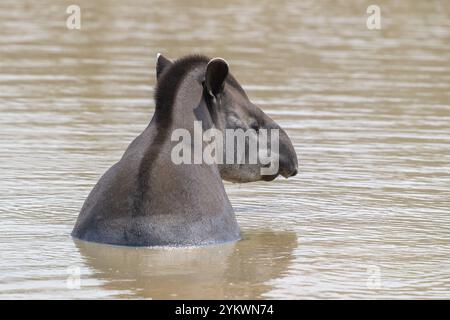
[238, 271]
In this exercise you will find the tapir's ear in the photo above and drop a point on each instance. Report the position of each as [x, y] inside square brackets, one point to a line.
[216, 73]
[161, 64]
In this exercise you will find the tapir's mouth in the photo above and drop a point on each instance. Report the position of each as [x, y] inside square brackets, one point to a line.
[269, 177]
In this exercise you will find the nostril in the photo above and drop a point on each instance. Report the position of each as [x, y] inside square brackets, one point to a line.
[286, 172]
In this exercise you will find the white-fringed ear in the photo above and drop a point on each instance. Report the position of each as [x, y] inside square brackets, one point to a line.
[161, 63]
[216, 73]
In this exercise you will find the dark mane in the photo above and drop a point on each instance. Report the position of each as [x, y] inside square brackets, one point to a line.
[166, 88]
[168, 83]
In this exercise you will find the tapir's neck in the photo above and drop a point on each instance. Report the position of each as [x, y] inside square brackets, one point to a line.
[188, 197]
[187, 188]
[178, 94]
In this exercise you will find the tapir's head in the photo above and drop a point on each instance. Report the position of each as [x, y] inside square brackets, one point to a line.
[231, 110]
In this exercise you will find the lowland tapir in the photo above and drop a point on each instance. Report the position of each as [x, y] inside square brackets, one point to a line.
[146, 199]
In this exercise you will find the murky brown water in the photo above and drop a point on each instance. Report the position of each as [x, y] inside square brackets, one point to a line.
[368, 112]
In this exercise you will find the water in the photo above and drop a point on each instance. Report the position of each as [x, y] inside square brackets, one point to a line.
[368, 112]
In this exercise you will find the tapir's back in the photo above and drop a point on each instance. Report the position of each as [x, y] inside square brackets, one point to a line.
[106, 207]
[145, 200]
[112, 201]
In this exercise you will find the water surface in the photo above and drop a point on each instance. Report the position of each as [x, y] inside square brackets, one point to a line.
[368, 112]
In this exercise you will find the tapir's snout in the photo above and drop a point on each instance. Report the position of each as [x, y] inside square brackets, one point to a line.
[288, 166]
[288, 174]
[289, 169]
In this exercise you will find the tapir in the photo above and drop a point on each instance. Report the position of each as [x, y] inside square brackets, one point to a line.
[145, 199]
